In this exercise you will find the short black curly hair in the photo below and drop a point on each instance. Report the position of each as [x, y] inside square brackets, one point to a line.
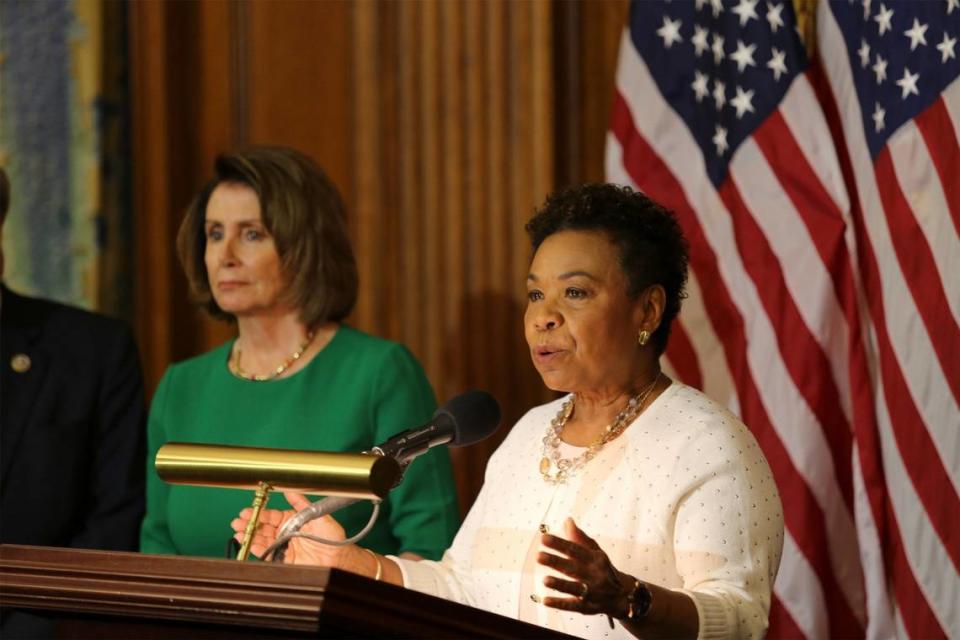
[652, 247]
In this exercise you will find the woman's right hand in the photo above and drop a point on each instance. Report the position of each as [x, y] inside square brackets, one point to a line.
[300, 550]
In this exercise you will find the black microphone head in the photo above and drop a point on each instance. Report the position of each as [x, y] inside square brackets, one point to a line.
[474, 414]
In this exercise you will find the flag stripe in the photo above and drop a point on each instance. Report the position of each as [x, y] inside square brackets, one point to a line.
[799, 594]
[923, 553]
[909, 341]
[915, 446]
[920, 271]
[816, 207]
[771, 182]
[920, 183]
[682, 356]
[782, 625]
[811, 135]
[821, 198]
[926, 399]
[860, 382]
[921, 187]
[875, 553]
[805, 519]
[803, 357]
[922, 622]
[921, 455]
[828, 80]
[935, 125]
[717, 381]
[825, 229]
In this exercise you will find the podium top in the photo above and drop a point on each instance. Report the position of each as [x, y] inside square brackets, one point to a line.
[230, 594]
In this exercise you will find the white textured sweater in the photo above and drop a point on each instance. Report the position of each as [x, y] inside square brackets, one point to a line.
[683, 499]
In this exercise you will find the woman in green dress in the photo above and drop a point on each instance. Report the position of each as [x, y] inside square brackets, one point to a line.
[265, 246]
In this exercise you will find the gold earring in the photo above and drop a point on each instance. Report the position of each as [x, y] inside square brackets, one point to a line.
[643, 338]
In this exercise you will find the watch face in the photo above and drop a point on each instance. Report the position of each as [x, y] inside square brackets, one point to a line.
[642, 599]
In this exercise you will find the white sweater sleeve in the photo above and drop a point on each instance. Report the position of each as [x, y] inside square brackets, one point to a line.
[728, 537]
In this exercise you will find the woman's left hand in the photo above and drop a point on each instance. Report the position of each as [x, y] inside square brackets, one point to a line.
[595, 584]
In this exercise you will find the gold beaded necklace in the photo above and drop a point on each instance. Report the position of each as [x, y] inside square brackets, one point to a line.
[567, 467]
[238, 371]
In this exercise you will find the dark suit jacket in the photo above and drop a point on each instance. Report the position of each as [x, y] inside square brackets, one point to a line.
[72, 445]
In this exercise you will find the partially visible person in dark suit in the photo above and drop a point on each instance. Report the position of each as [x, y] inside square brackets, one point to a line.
[72, 444]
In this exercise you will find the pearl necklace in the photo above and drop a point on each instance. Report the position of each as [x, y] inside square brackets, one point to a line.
[567, 467]
[238, 371]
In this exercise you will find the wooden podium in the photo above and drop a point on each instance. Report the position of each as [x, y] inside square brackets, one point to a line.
[100, 594]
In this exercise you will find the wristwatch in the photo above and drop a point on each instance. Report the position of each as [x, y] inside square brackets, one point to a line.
[639, 601]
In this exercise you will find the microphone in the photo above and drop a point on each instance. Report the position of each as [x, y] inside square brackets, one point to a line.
[462, 421]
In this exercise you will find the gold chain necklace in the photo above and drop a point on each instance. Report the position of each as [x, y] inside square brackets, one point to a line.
[238, 371]
[556, 469]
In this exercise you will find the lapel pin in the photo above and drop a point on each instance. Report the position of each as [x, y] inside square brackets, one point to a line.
[20, 363]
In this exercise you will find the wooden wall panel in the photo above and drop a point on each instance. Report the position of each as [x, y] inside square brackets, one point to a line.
[159, 290]
[588, 38]
[219, 90]
[437, 119]
[182, 90]
[454, 112]
[300, 77]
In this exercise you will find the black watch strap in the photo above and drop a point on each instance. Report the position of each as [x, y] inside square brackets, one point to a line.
[638, 604]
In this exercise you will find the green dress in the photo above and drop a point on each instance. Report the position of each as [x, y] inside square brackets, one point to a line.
[357, 392]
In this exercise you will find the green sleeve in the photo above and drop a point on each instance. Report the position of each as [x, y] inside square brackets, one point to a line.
[423, 511]
[154, 534]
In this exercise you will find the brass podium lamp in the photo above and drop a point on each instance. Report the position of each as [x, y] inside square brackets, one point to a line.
[354, 475]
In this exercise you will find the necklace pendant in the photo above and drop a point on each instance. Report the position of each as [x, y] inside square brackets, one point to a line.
[544, 465]
[565, 467]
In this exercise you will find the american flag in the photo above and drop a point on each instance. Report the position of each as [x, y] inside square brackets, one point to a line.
[820, 192]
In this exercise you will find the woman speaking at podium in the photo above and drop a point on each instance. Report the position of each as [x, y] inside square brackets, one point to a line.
[265, 246]
[632, 496]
